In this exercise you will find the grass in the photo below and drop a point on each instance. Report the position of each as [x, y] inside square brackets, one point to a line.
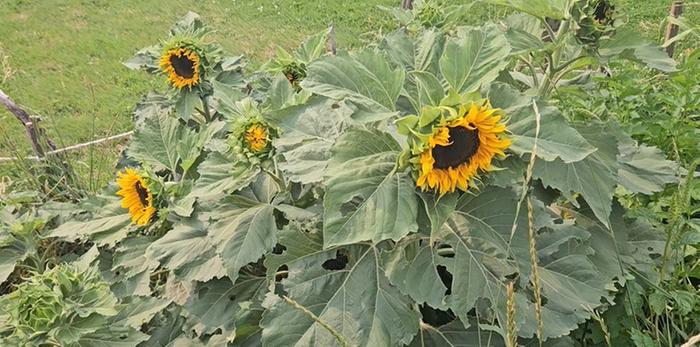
[61, 59]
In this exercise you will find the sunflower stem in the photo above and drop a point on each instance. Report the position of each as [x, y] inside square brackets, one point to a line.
[205, 107]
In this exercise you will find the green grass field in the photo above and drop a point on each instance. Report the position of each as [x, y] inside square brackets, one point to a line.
[61, 59]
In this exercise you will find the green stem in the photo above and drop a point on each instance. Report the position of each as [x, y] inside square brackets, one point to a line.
[205, 107]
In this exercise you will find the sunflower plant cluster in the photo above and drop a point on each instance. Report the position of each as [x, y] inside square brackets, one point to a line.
[424, 190]
[68, 305]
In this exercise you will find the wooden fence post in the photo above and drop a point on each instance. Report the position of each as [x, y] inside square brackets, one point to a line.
[672, 29]
[29, 124]
[407, 4]
[331, 44]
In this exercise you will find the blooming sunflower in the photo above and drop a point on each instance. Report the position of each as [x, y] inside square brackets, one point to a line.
[256, 137]
[135, 196]
[182, 66]
[459, 148]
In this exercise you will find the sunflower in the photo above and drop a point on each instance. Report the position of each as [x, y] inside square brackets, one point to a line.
[459, 148]
[135, 196]
[256, 137]
[182, 66]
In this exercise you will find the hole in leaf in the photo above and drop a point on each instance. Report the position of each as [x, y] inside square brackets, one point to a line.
[446, 278]
[436, 317]
[282, 273]
[279, 249]
[337, 263]
[232, 298]
[335, 106]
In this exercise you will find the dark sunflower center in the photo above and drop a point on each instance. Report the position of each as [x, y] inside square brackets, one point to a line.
[142, 192]
[465, 143]
[184, 67]
[602, 10]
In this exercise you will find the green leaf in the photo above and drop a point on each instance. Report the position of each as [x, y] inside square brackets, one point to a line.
[357, 302]
[220, 173]
[644, 169]
[112, 337]
[524, 33]
[364, 78]
[13, 249]
[641, 339]
[216, 303]
[419, 54]
[438, 210]
[187, 250]
[105, 222]
[185, 104]
[147, 59]
[595, 177]
[298, 243]
[429, 89]
[555, 9]
[163, 143]
[243, 230]
[454, 334]
[474, 58]
[557, 139]
[485, 260]
[630, 44]
[630, 243]
[416, 275]
[365, 198]
[307, 135]
[139, 310]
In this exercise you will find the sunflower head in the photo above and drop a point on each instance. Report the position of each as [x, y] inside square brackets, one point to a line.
[256, 137]
[295, 72]
[462, 141]
[595, 19]
[136, 197]
[250, 134]
[183, 66]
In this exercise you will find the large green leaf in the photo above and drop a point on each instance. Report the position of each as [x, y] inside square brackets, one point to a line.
[298, 242]
[364, 78]
[556, 9]
[556, 139]
[486, 259]
[454, 334]
[628, 244]
[414, 271]
[220, 173]
[419, 54]
[103, 221]
[216, 303]
[139, 310]
[474, 58]
[354, 299]
[365, 198]
[595, 177]
[644, 169]
[307, 135]
[188, 251]
[243, 230]
[164, 143]
[630, 44]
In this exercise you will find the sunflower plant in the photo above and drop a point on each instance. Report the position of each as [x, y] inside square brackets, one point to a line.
[425, 190]
[192, 65]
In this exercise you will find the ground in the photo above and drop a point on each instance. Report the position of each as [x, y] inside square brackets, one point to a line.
[62, 58]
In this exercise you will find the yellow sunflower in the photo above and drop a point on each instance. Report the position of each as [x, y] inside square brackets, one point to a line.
[135, 196]
[182, 66]
[458, 149]
[256, 137]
